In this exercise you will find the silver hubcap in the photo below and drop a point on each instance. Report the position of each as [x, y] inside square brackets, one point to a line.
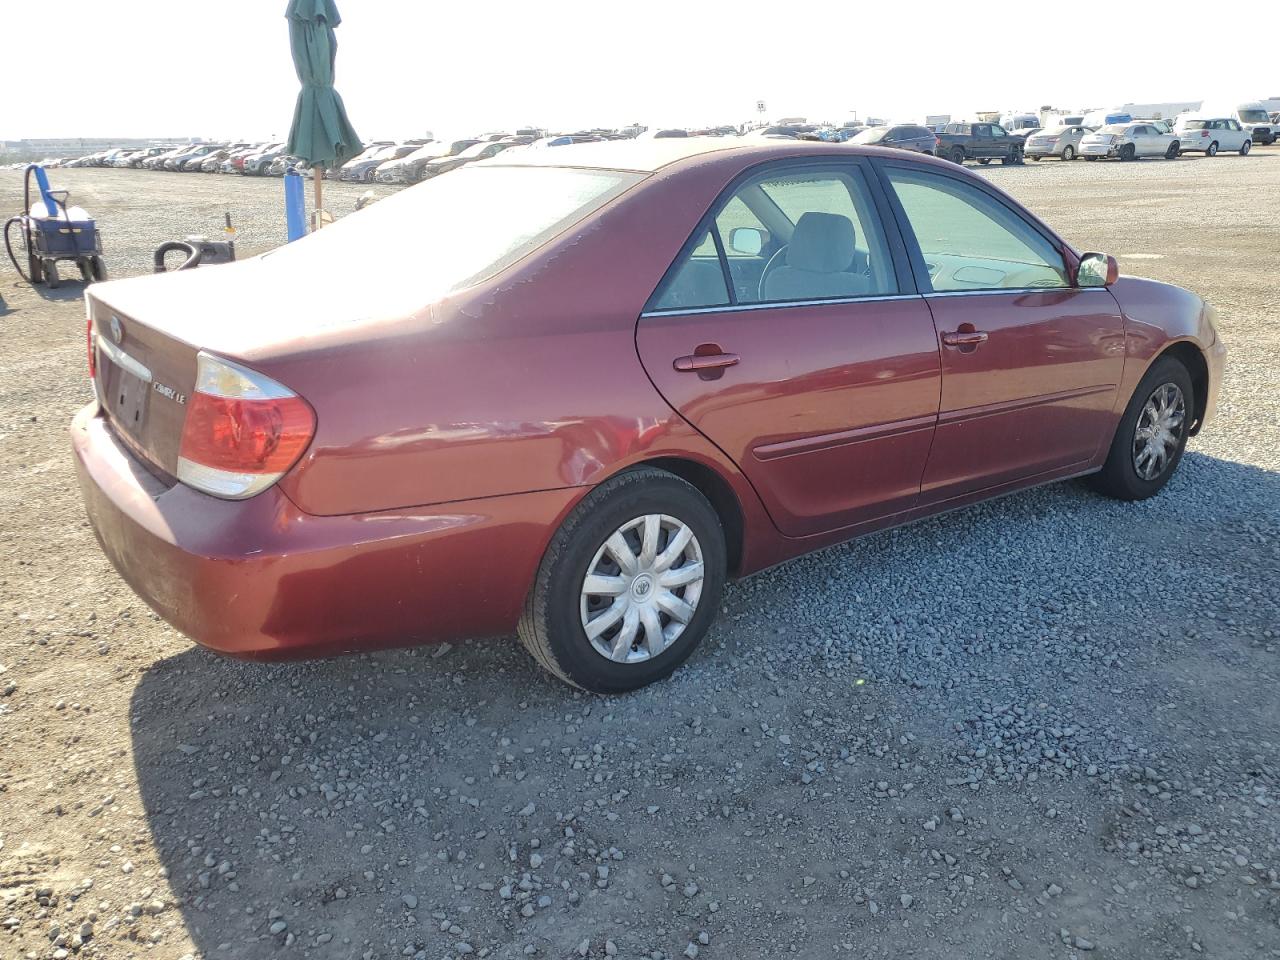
[1159, 431]
[642, 588]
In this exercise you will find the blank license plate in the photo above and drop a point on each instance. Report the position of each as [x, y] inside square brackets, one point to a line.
[125, 397]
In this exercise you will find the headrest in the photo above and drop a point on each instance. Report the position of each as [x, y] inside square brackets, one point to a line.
[822, 243]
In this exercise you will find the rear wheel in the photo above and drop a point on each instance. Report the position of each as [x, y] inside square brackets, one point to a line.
[1152, 434]
[1068, 152]
[1212, 149]
[629, 584]
[956, 155]
[1245, 147]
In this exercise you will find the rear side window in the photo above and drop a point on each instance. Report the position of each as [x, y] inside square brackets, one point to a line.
[793, 234]
[971, 241]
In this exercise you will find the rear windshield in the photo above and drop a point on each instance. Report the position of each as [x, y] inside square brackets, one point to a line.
[1195, 124]
[1116, 128]
[461, 227]
[1054, 131]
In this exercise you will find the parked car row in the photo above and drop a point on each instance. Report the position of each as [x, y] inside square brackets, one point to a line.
[1122, 137]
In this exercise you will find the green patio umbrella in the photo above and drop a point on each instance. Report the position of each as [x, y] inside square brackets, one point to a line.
[320, 134]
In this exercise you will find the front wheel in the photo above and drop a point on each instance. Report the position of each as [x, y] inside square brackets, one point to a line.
[629, 584]
[1245, 147]
[1212, 149]
[1152, 434]
[1127, 152]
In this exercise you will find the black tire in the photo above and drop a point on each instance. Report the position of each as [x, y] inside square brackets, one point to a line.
[1212, 149]
[1013, 159]
[1091, 159]
[1128, 152]
[86, 271]
[1175, 149]
[98, 266]
[50, 270]
[551, 627]
[1035, 157]
[1119, 477]
[1245, 148]
[1068, 152]
[956, 155]
[984, 161]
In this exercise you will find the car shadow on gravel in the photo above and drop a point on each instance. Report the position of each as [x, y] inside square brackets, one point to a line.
[372, 805]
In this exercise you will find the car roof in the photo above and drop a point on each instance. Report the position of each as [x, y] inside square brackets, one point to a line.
[649, 156]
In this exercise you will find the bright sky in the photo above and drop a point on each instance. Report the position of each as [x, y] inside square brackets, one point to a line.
[95, 68]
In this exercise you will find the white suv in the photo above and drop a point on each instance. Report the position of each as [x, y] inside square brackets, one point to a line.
[1208, 135]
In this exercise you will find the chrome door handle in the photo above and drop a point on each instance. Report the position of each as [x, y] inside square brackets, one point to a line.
[710, 361]
[964, 338]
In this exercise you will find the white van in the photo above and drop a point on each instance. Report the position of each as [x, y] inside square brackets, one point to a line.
[1014, 122]
[1252, 115]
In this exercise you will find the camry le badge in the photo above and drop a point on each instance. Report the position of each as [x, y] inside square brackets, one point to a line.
[117, 330]
[167, 391]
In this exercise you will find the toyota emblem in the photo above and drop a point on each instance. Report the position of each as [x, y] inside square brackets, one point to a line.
[117, 331]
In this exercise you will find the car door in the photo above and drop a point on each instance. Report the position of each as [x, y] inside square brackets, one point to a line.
[1148, 141]
[981, 140]
[1232, 135]
[789, 333]
[1000, 143]
[1030, 363]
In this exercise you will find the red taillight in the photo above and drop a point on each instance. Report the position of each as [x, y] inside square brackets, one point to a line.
[243, 430]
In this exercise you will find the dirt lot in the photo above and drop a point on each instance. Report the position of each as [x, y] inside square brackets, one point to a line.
[1043, 727]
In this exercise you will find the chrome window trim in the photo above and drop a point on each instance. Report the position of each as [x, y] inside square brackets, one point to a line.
[834, 301]
[123, 360]
[778, 304]
[995, 291]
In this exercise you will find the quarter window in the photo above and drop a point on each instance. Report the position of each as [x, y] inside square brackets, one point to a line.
[792, 234]
[971, 241]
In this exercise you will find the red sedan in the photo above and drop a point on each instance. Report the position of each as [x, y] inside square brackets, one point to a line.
[602, 380]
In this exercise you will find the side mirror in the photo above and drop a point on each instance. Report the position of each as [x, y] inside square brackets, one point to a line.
[1097, 270]
[748, 241]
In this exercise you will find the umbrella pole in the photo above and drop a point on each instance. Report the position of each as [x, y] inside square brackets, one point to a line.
[317, 177]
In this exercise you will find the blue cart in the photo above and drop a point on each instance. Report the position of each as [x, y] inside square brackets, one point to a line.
[51, 231]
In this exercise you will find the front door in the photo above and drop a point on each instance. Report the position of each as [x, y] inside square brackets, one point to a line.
[1030, 363]
[811, 366]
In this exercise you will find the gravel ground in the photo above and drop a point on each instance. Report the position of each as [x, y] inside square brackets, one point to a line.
[1041, 727]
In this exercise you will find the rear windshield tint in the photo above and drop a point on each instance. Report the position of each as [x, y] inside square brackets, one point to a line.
[461, 227]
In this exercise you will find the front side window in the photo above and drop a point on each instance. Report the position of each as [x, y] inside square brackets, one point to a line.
[971, 241]
[793, 234]
[998, 131]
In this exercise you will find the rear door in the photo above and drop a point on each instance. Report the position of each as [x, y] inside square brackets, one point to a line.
[789, 333]
[1030, 363]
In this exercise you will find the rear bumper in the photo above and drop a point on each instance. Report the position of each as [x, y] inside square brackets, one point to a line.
[259, 578]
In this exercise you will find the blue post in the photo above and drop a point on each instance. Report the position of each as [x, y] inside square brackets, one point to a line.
[295, 207]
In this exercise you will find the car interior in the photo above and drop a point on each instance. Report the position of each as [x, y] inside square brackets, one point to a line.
[785, 242]
[786, 238]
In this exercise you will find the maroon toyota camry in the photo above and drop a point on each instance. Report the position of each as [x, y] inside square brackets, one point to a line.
[601, 380]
